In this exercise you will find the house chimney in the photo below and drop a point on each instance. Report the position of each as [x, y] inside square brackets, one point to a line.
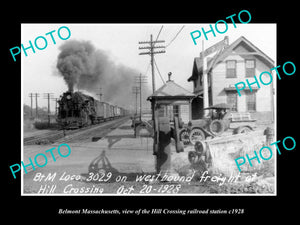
[226, 38]
[169, 76]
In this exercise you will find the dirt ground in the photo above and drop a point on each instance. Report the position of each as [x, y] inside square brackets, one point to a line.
[116, 164]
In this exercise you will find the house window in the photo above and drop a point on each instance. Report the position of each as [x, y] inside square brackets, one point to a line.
[230, 69]
[251, 101]
[232, 100]
[250, 67]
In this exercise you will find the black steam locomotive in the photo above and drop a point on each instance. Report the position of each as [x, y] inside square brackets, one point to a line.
[77, 110]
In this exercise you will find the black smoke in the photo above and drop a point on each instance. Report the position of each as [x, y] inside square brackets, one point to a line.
[84, 67]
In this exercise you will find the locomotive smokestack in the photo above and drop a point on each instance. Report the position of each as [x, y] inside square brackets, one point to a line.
[71, 88]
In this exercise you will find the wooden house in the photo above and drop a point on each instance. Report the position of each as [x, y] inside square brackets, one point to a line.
[234, 63]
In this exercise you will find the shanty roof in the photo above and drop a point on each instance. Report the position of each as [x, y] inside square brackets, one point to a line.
[171, 89]
[251, 48]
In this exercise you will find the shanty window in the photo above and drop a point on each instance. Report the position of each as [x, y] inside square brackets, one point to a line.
[250, 67]
[230, 69]
[176, 110]
[251, 101]
[161, 111]
[168, 111]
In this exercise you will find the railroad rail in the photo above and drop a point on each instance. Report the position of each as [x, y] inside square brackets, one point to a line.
[60, 136]
[99, 131]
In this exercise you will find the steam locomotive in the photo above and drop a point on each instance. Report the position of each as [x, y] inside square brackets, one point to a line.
[77, 110]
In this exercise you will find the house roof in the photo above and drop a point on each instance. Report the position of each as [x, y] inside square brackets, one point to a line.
[251, 50]
[171, 89]
[198, 64]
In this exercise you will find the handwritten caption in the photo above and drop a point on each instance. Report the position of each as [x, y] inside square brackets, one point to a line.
[40, 163]
[95, 183]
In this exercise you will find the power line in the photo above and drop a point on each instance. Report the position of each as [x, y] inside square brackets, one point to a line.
[159, 72]
[141, 80]
[36, 95]
[175, 36]
[136, 90]
[152, 51]
[48, 96]
[147, 68]
[159, 32]
[56, 103]
[31, 96]
[100, 94]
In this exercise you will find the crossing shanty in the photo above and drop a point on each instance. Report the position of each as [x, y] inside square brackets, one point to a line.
[170, 105]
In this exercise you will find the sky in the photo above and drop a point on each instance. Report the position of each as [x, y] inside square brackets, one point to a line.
[121, 42]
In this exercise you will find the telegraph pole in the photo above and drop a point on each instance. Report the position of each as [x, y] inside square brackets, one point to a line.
[141, 79]
[100, 94]
[151, 52]
[216, 47]
[152, 63]
[31, 96]
[36, 104]
[48, 96]
[56, 101]
[205, 84]
[136, 90]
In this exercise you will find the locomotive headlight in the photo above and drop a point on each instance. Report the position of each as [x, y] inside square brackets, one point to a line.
[69, 97]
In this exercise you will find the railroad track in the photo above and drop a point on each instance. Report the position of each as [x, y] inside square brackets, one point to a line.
[45, 138]
[60, 136]
[98, 131]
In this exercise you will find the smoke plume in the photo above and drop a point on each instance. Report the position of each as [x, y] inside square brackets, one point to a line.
[86, 68]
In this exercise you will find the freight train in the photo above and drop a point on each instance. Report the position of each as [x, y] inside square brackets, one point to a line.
[76, 110]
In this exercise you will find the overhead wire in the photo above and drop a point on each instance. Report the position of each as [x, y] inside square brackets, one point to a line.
[159, 33]
[147, 68]
[159, 72]
[175, 36]
[154, 58]
[166, 47]
[155, 40]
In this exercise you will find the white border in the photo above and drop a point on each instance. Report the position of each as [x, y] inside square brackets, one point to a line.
[174, 195]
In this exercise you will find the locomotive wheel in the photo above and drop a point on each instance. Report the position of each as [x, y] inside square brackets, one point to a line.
[217, 127]
[184, 137]
[196, 135]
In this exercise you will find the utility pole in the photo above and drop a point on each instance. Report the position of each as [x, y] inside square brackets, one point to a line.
[31, 96]
[151, 52]
[205, 84]
[48, 96]
[216, 47]
[136, 91]
[36, 104]
[56, 101]
[100, 94]
[141, 80]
